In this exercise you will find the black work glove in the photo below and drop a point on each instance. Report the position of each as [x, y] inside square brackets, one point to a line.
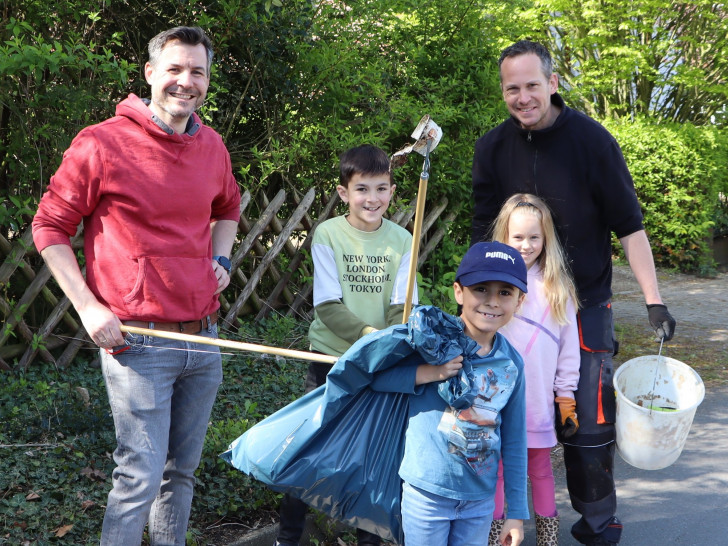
[661, 320]
[567, 422]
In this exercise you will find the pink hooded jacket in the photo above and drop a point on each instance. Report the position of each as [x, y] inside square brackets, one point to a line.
[551, 356]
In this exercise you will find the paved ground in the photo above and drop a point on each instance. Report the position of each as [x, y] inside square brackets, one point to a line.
[684, 504]
[699, 305]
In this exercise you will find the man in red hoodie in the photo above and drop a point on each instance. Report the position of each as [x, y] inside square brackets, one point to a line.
[155, 192]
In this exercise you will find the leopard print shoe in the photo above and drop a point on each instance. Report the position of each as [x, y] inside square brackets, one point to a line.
[547, 531]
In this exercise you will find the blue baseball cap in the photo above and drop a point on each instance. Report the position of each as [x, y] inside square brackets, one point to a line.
[493, 261]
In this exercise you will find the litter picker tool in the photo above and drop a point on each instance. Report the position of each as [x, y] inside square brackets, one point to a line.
[427, 136]
[239, 345]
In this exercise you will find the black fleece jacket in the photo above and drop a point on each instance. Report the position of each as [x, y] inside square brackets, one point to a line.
[577, 167]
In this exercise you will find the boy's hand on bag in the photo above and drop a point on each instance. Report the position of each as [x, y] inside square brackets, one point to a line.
[429, 373]
[567, 416]
[661, 320]
[451, 369]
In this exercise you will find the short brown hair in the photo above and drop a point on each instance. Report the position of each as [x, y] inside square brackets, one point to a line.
[523, 47]
[363, 160]
[186, 35]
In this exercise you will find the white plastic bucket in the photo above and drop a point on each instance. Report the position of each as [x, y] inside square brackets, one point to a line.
[656, 402]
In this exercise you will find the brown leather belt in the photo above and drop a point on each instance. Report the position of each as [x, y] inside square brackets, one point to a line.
[191, 327]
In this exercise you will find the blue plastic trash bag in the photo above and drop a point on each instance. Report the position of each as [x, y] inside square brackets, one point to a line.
[339, 447]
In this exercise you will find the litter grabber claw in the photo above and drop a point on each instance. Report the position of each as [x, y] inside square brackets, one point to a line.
[427, 136]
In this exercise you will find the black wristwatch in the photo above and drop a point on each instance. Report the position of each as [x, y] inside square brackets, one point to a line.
[224, 262]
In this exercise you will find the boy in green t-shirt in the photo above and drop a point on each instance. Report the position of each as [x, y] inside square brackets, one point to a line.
[361, 264]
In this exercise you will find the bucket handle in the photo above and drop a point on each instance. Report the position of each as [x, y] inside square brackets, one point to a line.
[660, 358]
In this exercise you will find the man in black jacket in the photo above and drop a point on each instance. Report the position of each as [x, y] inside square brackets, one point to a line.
[572, 162]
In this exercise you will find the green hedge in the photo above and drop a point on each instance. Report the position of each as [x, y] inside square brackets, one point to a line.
[296, 83]
[680, 173]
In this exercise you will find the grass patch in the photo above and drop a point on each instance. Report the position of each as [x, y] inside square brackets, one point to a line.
[55, 466]
[57, 437]
[710, 360]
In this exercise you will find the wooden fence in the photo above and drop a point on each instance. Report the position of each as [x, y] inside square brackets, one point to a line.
[270, 272]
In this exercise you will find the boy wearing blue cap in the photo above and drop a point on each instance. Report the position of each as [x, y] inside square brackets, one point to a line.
[451, 455]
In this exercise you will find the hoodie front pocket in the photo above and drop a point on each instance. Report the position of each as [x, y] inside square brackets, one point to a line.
[169, 286]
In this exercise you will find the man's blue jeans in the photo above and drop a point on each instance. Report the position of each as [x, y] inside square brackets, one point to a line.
[161, 393]
[439, 521]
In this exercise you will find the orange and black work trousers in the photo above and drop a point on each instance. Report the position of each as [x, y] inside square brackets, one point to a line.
[589, 454]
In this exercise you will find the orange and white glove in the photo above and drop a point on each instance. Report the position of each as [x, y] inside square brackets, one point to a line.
[566, 416]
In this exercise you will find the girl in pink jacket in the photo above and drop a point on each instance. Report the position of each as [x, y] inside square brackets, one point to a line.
[545, 333]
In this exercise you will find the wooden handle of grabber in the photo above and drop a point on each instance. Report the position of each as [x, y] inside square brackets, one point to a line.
[415, 251]
[252, 347]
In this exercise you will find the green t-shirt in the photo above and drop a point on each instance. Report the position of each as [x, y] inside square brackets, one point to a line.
[365, 271]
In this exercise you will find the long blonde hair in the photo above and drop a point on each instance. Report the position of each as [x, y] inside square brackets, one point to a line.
[558, 284]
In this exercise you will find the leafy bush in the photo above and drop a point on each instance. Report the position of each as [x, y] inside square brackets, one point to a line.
[721, 217]
[679, 173]
[361, 78]
[436, 280]
[51, 87]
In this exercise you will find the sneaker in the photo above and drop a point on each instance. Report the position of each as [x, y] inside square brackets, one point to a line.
[609, 537]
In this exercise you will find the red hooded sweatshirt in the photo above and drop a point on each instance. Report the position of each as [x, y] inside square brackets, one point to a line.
[146, 199]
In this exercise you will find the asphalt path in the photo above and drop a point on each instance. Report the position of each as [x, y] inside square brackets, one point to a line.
[685, 504]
